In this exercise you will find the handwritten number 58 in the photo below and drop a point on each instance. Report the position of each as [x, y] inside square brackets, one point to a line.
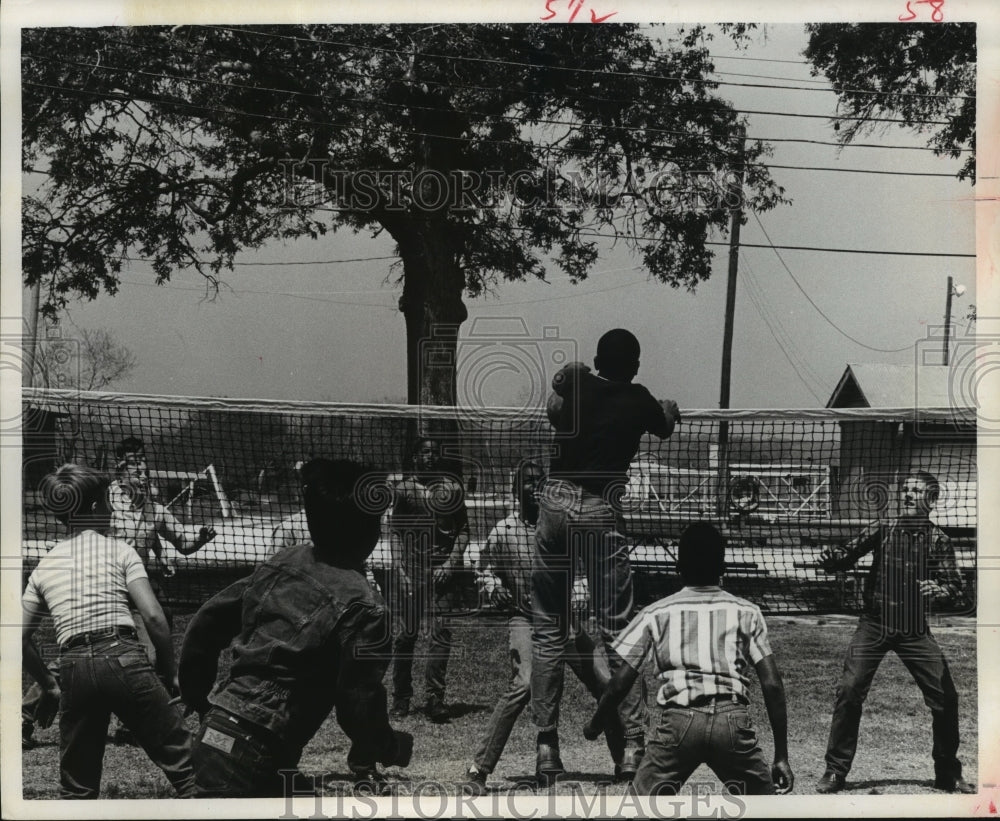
[937, 15]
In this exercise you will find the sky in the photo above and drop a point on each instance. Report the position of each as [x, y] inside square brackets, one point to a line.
[330, 330]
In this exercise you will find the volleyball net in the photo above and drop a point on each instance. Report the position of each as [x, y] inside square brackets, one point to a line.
[781, 484]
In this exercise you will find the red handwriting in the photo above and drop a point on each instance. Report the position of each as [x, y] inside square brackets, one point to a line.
[937, 15]
[574, 6]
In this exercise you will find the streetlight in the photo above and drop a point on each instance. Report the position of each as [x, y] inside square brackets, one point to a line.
[953, 290]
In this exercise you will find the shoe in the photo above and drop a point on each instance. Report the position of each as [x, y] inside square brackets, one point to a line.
[957, 784]
[27, 740]
[631, 759]
[830, 782]
[475, 783]
[548, 765]
[437, 711]
[400, 708]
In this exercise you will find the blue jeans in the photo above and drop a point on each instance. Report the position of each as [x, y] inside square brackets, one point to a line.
[581, 659]
[113, 675]
[575, 524]
[236, 759]
[922, 656]
[720, 735]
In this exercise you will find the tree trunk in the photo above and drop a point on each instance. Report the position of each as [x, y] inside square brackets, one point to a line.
[433, 309]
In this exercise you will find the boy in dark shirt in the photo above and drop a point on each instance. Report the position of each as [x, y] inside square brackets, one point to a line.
[310, 635]
[913, 563]
[599, 421]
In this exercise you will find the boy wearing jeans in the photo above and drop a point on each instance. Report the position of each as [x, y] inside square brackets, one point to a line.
[702, 640]
[504, 574]
[87, 583]
[599, 421]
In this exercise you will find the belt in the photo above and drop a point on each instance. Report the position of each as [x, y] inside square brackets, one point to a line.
[120, 632]
[718, 698]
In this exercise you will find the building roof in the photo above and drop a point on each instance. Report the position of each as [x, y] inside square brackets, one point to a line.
[878, 385]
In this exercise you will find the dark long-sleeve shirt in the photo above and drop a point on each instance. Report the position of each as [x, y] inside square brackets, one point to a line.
[307, 637]
[904, 553]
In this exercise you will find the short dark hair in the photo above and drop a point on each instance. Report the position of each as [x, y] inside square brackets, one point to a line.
[618, 346]
[342, 487]
[411, 453]
[929, 479]
[518, 481]
[130, 444]
[72, 490]
[701, 557]
[618, 353]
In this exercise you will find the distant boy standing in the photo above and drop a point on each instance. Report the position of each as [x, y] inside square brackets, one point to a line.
[913, 563]
[429, 532]
[599, 421]
[87, 583]
[702, 641]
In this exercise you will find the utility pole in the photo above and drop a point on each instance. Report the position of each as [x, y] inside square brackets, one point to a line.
[28, 366]
[947, 320]
[727, 338]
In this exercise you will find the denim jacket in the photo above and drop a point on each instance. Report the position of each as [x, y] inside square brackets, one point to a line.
[307, 637]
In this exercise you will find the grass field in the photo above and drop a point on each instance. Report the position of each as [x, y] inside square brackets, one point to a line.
[893, 752]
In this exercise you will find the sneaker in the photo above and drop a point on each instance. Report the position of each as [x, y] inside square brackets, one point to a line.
[631, 759]
[957, 784]
[475, 782]
[436, 710]
[830, 782]
[400, 708]
[548, 765]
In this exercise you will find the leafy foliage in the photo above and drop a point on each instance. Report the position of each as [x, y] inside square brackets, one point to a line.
[923, 73]
[187, 145]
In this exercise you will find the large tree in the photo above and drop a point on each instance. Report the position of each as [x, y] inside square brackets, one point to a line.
[483, 150]
[921, 73]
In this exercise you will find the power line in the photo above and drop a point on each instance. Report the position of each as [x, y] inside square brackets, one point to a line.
[521, 64]
[279, 264]
[759, 303]
[366, 103]
[828, 89]
[759, 59]
[122, 97]
[856, 170]
[819, 310]
[784, 247]
[311, 297]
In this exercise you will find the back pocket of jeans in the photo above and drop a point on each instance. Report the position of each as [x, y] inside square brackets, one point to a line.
[672, 727]
[742, 732]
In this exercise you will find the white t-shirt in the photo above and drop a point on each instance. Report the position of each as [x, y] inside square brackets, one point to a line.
[83, 583]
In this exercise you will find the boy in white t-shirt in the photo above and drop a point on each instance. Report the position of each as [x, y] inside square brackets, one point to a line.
[87, 583]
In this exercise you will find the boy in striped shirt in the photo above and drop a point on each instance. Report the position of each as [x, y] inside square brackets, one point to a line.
[87, 583]
[702, 640]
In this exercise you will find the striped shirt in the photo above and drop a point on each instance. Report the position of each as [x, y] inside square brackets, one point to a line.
[702, 639]
[83, 583]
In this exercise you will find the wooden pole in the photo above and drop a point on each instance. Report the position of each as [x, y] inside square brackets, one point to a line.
[727, 338]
